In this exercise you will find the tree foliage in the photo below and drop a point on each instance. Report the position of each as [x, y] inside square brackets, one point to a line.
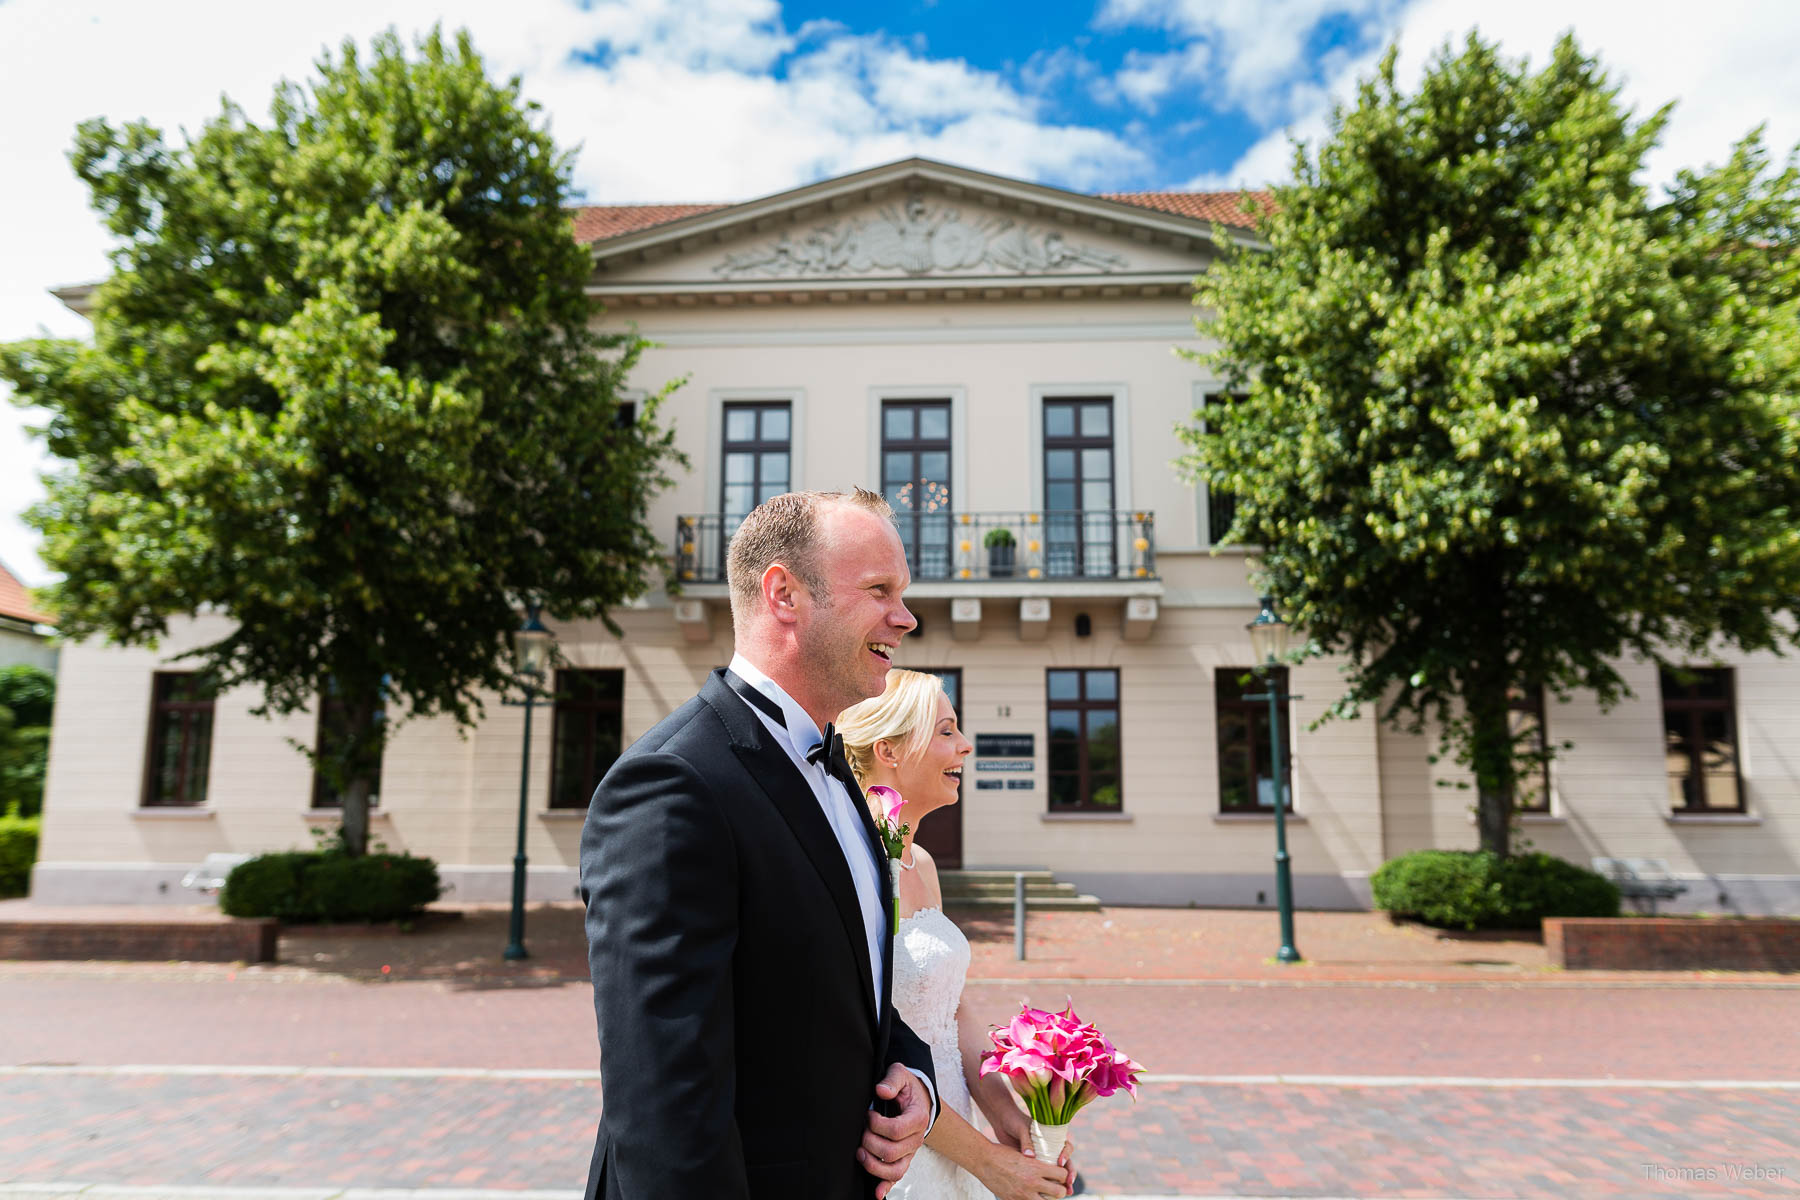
[27, 700]
[1509, 416]
[343, 389]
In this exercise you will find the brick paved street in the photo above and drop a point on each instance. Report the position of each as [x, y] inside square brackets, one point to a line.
[1403, 1067]
[1248, 1140]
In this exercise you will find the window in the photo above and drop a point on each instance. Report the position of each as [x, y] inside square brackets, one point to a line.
[1246, 771]
[1084, 741]
[589, 730]
[1078, 486]
[1221, 506]
[334, 720]
[915, 478]
[181, 720]
[1525, 712]
[1700, 740]
[757, 437]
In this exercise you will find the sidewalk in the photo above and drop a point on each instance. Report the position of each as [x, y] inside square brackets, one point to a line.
[464, 943]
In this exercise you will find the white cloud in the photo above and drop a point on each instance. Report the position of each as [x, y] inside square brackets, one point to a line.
[1249, 53]
[1727, 73]
[686, 108]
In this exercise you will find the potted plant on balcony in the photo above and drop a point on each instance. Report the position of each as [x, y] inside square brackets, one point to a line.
[999, 543]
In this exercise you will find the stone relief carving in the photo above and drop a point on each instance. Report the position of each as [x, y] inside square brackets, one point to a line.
[916, 240]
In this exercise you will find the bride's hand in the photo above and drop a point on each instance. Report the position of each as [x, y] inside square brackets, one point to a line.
[1013, 1128]
[1011, 1175]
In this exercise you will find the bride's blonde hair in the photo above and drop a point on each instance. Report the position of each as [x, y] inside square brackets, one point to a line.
[904, 713]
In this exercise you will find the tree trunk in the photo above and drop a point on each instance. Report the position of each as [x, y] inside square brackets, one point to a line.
[1491, 755]
[360, 764]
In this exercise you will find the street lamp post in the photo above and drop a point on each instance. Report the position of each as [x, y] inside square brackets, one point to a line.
[1269, 642]
[531, 654]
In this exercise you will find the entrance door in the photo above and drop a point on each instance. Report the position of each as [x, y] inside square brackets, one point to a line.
[941, 832]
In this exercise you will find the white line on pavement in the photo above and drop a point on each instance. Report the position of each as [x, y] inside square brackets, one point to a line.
[502, 1074]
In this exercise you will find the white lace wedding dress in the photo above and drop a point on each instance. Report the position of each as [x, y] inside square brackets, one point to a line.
[931, 959]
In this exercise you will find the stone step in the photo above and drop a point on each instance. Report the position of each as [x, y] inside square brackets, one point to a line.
[1075, 903]
[994, 889]
[1006, 890]
[995, 876]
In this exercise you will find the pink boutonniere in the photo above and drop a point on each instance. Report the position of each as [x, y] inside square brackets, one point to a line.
[893, 835]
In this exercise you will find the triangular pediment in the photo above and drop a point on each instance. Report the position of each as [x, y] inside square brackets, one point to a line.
[913, 224]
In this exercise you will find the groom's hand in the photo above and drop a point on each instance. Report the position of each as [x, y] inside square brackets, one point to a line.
[890, 1142]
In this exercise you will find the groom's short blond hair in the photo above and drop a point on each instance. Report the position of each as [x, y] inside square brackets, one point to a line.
[787, 529]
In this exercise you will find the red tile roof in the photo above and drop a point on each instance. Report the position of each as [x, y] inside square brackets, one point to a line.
[1225, 207]
[15, 601]
[597, 222]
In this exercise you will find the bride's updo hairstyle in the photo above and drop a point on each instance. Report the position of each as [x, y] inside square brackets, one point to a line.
[904, 714]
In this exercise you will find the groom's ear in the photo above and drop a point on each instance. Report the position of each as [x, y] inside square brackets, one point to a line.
[780, 593]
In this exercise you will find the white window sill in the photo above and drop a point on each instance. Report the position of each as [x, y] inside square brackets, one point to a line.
[1712, 818]
[1256, 818]
[563, 814]
[1056, 818]
[337, 814]
[1542, 818]
[174, 813]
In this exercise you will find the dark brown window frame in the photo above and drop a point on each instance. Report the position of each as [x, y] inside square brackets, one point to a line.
[1077, 443]
[756, 449]
[1228, 690]
[185, 714]
[915, 446]
[567, 703]
[1084, 772]
[1694, 706]
[1530, 701]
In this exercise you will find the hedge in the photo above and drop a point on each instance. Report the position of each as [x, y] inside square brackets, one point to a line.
[18, 850]
[324, 885]
[1480, 890]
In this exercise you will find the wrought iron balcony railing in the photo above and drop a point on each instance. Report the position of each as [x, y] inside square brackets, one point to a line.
[972, 547]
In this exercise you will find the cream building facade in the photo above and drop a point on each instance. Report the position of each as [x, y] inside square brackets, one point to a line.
[995, 356]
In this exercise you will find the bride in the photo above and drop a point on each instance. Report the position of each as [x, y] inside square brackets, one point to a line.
[907, 739]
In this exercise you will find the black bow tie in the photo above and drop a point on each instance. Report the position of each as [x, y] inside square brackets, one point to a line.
[830, 747]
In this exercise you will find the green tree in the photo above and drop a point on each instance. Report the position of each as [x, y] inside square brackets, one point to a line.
[343, 389]
[1508, 417]
[27, 699]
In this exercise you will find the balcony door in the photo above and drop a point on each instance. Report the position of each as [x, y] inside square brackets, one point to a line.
[1078, 487]
[915, 478]
[941, 832]
[757, 462]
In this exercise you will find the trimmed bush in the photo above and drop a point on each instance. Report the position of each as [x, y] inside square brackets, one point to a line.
[18, 850]
[323, 885]
[1461, 889]
[1539, 885]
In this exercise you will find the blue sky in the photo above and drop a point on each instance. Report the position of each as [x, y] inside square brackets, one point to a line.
[722, 100]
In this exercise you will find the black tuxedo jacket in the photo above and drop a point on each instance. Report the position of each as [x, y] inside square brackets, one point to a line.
[740, 1041]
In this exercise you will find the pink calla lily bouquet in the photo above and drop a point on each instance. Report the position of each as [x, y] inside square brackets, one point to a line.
[893, 835]
[1058, 1063]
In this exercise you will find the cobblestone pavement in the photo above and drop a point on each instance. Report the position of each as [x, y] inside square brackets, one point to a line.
[1409, 1066]
[1180, 1138]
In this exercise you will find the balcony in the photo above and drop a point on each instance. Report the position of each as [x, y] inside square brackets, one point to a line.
[1004, 552]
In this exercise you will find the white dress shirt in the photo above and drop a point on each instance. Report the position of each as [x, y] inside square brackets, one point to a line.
[798, 735]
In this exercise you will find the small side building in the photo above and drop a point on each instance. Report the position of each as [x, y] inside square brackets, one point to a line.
[25, 631]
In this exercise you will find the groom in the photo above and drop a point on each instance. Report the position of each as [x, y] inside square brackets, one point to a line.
[737, 903]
